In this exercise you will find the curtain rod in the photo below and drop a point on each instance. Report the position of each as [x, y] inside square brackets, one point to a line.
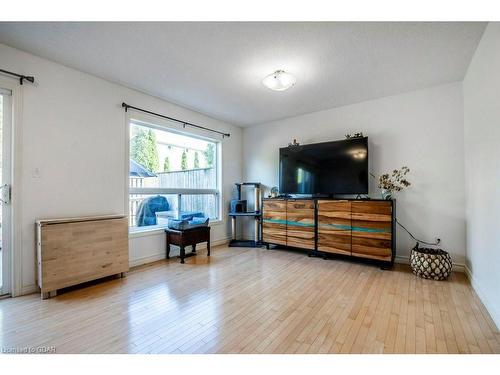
[20, 76]
[184, 123]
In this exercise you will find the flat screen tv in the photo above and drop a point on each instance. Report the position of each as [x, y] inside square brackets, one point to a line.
[339, 167]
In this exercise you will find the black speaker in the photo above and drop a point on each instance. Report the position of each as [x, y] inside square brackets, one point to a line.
[238, 205]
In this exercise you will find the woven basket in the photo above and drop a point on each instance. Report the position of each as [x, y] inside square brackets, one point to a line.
[430, 263]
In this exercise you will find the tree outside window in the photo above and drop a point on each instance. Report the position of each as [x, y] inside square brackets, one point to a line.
[166, 165]
[184, 164]
[144, 151]
[196, 160]
[209, 155]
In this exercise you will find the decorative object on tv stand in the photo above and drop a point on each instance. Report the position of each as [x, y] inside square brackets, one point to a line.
[430, 263]
[294, 143]
[355, 135]
[274, 192]
[395, 182]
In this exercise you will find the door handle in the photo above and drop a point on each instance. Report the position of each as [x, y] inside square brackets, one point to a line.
[5, 193]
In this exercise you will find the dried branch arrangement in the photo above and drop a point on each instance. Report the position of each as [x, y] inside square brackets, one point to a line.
[396, 181]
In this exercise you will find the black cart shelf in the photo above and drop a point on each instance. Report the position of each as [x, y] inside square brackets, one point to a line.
[257, 215]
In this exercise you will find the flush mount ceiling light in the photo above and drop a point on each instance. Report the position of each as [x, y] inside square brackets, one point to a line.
[279, 81]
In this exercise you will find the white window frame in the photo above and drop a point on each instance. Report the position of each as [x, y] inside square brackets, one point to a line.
[17, 287]
[6, 229]
[170, 126]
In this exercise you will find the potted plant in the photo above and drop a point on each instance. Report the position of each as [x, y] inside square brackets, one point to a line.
[389, 183]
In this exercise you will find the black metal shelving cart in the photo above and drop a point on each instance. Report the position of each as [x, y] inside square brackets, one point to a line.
[239, 209]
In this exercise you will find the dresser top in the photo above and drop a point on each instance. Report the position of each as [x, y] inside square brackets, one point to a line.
[331, 199]
[78, 219]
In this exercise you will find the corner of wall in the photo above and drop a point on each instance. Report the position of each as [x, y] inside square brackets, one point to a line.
[479, 86]
[490, 307]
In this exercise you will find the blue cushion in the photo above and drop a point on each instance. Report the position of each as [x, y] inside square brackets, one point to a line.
[199, 221]
[163, 216]
[184, 224]
[187, 215]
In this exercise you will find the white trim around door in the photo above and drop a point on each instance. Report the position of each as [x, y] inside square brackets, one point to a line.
[15, 144]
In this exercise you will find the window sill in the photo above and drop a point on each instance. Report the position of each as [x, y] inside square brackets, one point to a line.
[155, 230]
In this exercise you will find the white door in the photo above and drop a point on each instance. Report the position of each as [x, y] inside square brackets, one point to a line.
[5, 181]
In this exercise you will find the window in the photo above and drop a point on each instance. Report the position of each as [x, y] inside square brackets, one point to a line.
[171, 175]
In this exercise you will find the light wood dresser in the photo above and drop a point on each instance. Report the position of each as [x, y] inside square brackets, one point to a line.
[76, 250]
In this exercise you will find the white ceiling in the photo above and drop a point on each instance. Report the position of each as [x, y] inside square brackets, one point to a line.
[217, 68]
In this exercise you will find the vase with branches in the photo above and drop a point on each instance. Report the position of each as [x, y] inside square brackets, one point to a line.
[391, 182]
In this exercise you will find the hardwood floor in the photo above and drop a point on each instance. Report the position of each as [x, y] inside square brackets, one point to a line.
[256, 301]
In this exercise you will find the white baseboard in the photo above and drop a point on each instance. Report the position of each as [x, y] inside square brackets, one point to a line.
[159, 256]
[457, 267]
[494, 313]
[28, 289]
[145, 260]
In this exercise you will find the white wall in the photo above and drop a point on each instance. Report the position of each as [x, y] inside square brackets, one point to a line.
[421, 129]
[482, 169]
[74, 134]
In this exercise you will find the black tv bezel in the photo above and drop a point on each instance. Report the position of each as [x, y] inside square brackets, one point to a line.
[329, 194]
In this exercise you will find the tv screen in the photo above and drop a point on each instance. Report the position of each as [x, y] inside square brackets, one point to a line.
[339, 167]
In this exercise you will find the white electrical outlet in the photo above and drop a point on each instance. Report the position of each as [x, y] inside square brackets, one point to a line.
[36, 173]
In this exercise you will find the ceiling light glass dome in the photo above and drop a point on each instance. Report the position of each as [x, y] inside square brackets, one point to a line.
[279, 80]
